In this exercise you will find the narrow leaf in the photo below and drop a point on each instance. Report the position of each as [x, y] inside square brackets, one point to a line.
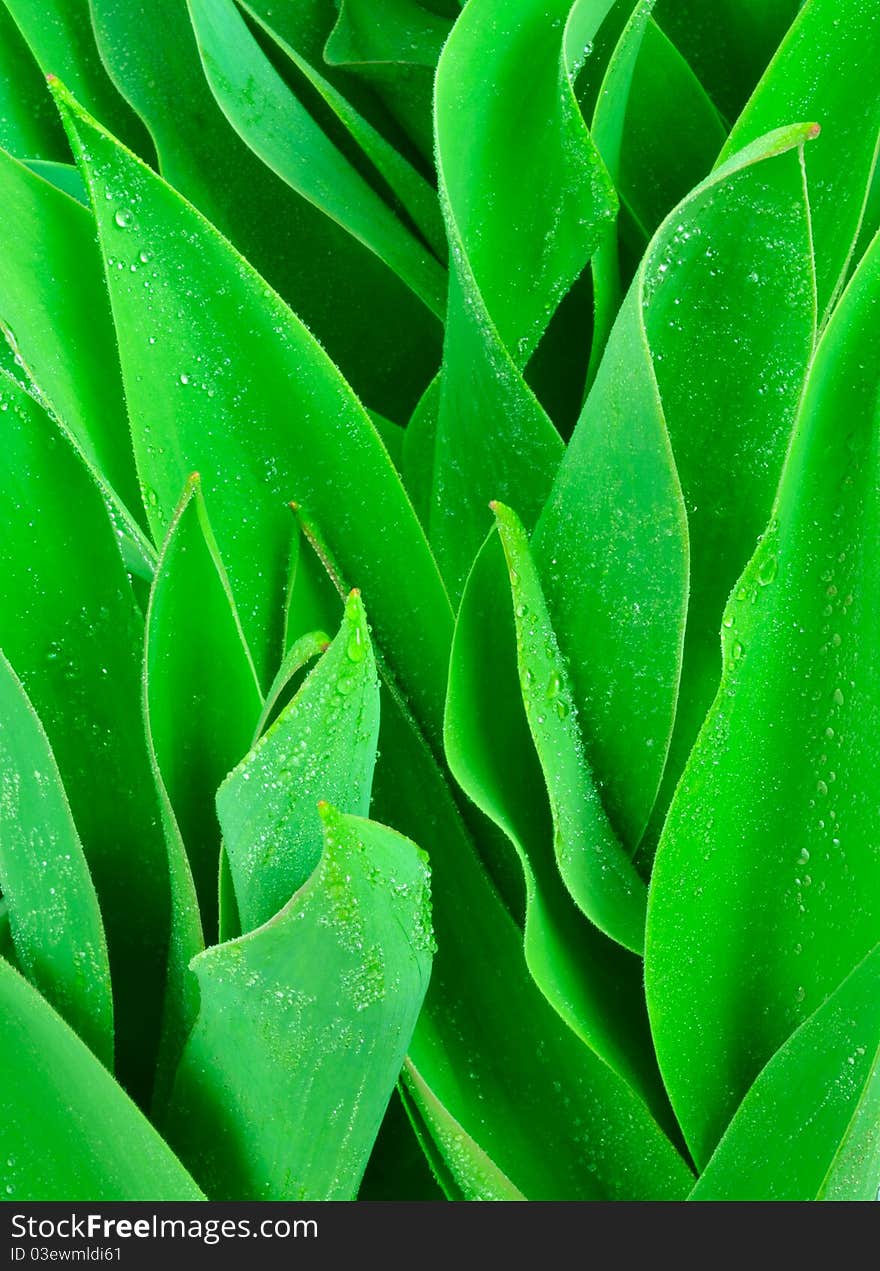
[51, 904]
[202, 693]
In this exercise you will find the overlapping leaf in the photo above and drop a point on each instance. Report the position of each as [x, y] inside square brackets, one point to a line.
[70, 627]
[388, 345]
[689, 414]
[69, 1131]
[51, 905]
[809, 1128]
[304, 1025]
[766, 887]
[222, 379]
[322, 747]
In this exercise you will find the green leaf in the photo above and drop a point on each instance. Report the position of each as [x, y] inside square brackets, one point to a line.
[594, 868]
[69, 1131]
[55, 315]
[194, 646]
[28, 123]
[265, 376]
[388, 342]
[474, 1174]
[51, 904]
[809, 1128]
[304, 1025]
[728, 44]
[519, 1093]
[70, 627]
[841, 91]
[322, 747]
[767, 881]
[275, 123]
[672, 134]
[59, 33]
[64, 176]
[594, 986]
[300, 653]
[612, 547]
[508, 272]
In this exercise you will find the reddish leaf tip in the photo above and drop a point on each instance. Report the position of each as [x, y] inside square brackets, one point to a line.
[814, 131]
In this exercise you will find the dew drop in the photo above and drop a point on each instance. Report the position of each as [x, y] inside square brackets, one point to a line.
[124, 217]
[767, 570]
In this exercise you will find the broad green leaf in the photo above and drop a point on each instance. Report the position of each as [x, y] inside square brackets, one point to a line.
[54, 311]
[69, 1131]
[304, 1025]
[766, 888]
[508, 270]
[809, 1128]
[201, 688]
[595, 869]
[388, 345]
[529, 1081]
[70, 627]
[612, 546]
[59, 33]
[594, 986]
[53, 911]
[276, 125]
[474, 1174]
[728, 43]
[321, 748]
[230, 350]
[840, 90]
[28, 123]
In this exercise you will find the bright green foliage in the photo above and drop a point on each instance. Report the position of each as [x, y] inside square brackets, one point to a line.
[451, 424]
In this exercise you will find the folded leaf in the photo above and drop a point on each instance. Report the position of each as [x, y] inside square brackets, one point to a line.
[766, 887]
[304, 1025]
[809, 1128]
[51, 904]
[201, 688]
[474, 1174]
[69, 1131]
[322, 747]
